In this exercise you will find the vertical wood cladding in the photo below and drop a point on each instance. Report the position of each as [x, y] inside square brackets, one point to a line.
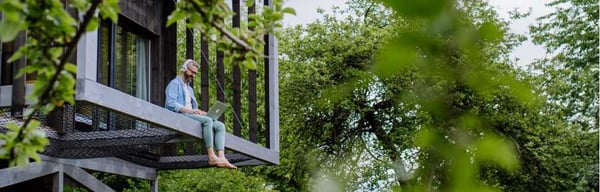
[146, 13]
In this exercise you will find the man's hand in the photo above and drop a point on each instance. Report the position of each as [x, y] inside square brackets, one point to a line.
[199, 112]
[192, 111]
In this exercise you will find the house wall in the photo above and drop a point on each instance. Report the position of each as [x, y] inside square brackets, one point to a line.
[146, 13]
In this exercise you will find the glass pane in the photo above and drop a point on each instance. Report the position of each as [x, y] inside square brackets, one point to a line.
[104, 57]
[131, 64]
[142, 66]
[129, 72]
[119, 70]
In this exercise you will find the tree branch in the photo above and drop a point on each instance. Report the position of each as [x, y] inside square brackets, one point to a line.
[70, 48]
[223, 31]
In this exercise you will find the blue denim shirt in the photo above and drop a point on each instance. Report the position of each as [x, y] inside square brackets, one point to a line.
[175, 95]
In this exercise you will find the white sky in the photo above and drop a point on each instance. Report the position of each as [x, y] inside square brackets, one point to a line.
[306, 12]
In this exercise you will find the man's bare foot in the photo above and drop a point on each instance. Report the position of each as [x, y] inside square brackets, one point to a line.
[226, 164]
[221, 163]
[215, 161]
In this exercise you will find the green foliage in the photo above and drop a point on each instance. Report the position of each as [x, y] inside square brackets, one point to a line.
[34, 141]
[560, 152]
[52, 38]
[569, 78]
[437, 107]
[210, 180]
[240, 46]
[418, 100]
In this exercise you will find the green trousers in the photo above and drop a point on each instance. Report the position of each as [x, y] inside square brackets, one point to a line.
[213, 131]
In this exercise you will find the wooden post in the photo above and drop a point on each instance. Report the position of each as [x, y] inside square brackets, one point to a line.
[252, 122]
[236, 82]
[18, 85]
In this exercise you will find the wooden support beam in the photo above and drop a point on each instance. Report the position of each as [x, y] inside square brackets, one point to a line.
[14, 175]
[86, 179]
[87, 56]
[272, 89]
[251, 149]
[58, 182]
[108, 165]
[154, 185]
[250, 163]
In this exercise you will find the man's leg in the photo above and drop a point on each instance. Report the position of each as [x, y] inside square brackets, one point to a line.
[219, 129]
[207, 124]
[207, 134]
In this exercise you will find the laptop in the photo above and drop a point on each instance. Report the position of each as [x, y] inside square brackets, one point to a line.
[216, 110]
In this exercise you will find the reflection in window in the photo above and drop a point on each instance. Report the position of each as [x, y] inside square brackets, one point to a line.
[123, 64]
[123, 60]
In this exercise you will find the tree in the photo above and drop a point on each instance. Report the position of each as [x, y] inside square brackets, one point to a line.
[419, 98]
[53, 36]
[569, 78]
[360, 118]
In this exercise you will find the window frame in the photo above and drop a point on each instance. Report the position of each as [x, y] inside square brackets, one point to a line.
[127, 28]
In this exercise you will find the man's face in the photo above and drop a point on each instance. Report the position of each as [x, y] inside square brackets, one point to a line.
[191, 71]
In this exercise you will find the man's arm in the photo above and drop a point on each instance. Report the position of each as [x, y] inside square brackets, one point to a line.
[171, 93]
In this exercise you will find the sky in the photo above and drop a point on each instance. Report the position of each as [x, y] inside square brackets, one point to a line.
[306, 12]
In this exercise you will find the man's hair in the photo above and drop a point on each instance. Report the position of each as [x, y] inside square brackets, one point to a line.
[188, 63]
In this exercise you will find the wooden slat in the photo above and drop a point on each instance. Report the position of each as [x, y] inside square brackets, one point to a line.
[166, 68]
[252, 122]
[267, 79]
[189, 44]
[221, 81]
[252, 105]
[18, 84]
[188, 148]
[204, 67]
[236, 82]
[123, 70]
[236, 10]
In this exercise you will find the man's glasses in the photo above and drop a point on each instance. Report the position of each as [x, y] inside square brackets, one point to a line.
[193, 72]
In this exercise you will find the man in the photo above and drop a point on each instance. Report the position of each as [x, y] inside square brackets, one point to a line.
[180, 98]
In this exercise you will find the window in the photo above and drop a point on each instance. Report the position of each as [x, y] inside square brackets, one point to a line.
[123, 60]
[6, 70]
[123, 64]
